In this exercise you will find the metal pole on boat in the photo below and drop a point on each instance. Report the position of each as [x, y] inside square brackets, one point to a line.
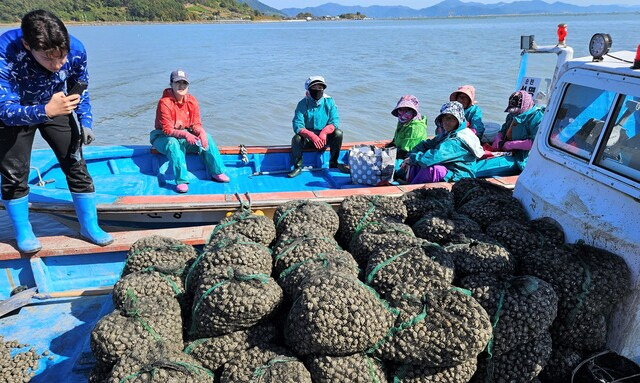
[267, 173]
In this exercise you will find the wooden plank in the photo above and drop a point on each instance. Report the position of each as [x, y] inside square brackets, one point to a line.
[17, 301]
[122, 241]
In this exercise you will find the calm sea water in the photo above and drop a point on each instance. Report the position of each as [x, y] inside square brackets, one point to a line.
[249, 77]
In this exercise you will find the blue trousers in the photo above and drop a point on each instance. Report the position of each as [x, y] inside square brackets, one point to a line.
[176, 149]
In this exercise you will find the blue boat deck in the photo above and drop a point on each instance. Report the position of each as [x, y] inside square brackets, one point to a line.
[61, 327]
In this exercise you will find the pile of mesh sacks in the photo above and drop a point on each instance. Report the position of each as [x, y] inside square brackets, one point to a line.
[435, 286]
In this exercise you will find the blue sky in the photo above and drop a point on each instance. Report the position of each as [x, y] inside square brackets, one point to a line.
[417, 4]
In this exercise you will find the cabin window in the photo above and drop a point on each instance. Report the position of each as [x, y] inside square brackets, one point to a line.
[580, 119]
[621, 144]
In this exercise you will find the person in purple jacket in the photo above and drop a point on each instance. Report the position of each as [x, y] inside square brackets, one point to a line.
[39, 63]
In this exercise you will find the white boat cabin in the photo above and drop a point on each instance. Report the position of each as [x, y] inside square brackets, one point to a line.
[584, 167]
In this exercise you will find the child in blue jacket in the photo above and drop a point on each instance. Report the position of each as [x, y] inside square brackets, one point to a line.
[450, 156]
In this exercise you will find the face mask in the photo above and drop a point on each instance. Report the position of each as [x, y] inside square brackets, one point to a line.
[405, 117]
[316, 94]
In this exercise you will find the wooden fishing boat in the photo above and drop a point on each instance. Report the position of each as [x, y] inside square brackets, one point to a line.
[136, 189]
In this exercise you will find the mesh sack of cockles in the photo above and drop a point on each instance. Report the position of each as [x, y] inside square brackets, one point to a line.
[159, 252]
[421, 266]
[358, 367]
[379, 236]
[243, 221]
[550, 230]
[336, 315]
[149, 283]
[586, 331]
[563, 360]
[606, 367]
[522, 364]
[235, 251]
[470, 189]
[522, 238]
[477, 257]
[17, 366]
[293, 278]
[357, 211]
[294, 217]
[230, 299]
[159, 363]
[426, 200]
[265, 364]
[139, 323]
[460, 373]
[291, 249]
[214, 352]
[490, 209]
[521, 307]
[586, 279]
[442, 227]
[436, 328]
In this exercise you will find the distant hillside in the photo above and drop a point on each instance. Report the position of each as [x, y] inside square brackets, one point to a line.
[459, 8]
[11, 11]
[262, 8]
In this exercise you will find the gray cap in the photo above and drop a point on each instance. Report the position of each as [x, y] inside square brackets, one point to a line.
[178, 75]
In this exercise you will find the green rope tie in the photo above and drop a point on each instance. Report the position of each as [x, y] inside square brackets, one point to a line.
[292, 244]
[375, 270]
[582, 296]
[362, 223]
[372, 372]
[193, 345]
[466, 195]
[318, 257]
[494, 325]
[259, 372]
[232, 275]
[174, 286]
[401, 374]
[217, 246]
[130, 310]
[148, 248]
[187, 368]
[244, 215]
[401, 327]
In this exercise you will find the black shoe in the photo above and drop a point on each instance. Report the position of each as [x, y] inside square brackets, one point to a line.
[294, 173]
[341, 167]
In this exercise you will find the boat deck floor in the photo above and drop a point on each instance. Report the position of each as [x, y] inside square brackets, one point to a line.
[61, 328]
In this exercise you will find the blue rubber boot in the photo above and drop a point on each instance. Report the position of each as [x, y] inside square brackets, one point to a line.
[85, 204]
[18, 211]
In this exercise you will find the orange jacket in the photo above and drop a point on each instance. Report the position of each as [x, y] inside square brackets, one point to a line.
[172, 116]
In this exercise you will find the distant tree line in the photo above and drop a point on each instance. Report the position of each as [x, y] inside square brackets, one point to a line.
[11, 11]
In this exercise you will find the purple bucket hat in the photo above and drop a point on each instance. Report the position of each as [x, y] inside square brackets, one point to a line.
[454, 108]
[519, 102]
[407, 101]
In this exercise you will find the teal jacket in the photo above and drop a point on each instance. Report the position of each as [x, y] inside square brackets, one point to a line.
[315, 115]
[473, 114]
[527, 124]
[457, 150]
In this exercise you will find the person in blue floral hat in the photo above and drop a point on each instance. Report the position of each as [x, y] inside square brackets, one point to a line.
[450, 156]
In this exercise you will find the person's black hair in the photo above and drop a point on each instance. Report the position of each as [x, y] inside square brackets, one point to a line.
[44, 31]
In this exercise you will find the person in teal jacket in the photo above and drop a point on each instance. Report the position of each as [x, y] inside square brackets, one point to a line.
[520, 127]
[466, 95]
[450, 156]
[315, 124]
[411, 128]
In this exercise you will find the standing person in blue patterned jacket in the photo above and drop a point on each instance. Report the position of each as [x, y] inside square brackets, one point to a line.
[38, 62]
[449, 156]
[315, 124]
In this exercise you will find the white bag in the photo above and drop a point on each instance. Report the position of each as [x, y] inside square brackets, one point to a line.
[371, 165]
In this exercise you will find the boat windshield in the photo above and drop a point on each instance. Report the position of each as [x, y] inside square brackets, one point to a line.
[580, 119]
[621, 153]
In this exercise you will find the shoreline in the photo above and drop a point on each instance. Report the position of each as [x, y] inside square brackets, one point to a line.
[242, 21]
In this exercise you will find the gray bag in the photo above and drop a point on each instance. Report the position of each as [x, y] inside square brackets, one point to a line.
[371, 165]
